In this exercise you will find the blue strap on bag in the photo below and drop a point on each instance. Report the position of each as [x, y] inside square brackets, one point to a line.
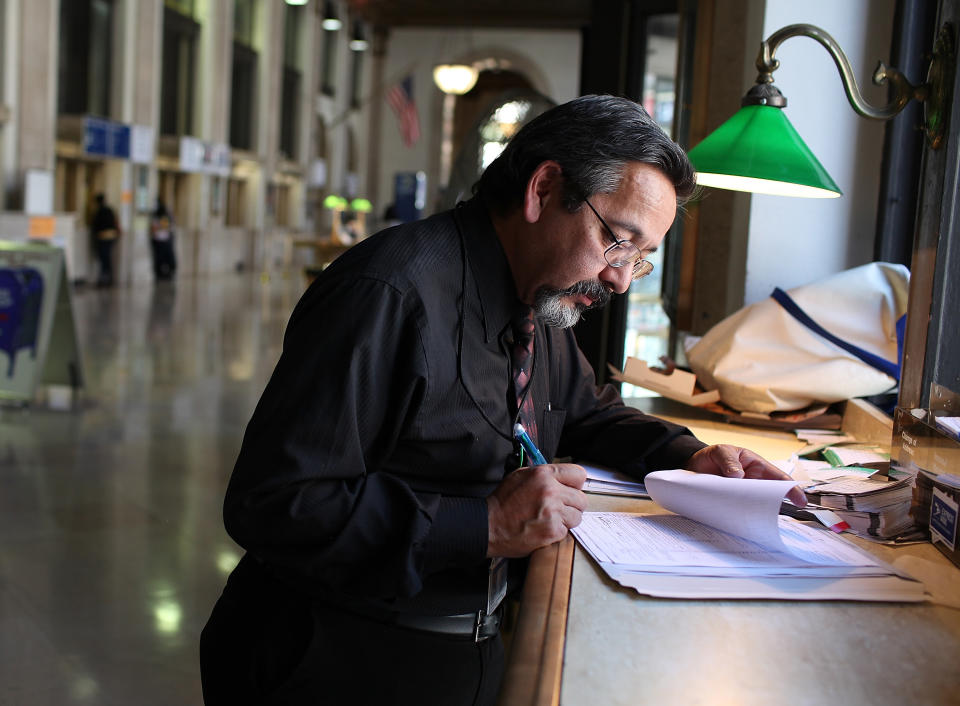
[871, 359]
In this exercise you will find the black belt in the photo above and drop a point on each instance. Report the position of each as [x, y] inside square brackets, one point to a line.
[478, 626]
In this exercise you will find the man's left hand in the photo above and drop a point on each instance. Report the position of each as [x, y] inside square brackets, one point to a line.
[735, 462]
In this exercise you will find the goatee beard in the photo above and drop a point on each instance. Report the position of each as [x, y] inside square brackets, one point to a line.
[550, 308]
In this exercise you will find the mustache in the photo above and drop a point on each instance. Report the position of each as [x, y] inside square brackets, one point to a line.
[599, 292]
[552, 310]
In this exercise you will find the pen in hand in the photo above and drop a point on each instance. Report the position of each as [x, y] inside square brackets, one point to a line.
[520, 434]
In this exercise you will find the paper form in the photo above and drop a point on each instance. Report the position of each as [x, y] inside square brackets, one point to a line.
[817, 547]
[728, 541]
[657, 542]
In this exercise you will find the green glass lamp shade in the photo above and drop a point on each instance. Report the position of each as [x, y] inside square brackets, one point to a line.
[758, 150]
[334, 201]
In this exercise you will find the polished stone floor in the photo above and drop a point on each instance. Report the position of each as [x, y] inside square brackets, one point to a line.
[113, 550]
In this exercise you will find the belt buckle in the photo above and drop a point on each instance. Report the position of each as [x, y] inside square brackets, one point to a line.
[478, 623]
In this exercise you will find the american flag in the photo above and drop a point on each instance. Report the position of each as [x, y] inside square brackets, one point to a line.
[400, 98]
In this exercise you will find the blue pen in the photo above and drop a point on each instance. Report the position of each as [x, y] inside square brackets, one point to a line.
[520, 434]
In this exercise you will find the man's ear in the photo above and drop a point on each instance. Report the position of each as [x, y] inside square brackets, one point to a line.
[544, 184]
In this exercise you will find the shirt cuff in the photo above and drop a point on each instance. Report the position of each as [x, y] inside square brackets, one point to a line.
[458, 535]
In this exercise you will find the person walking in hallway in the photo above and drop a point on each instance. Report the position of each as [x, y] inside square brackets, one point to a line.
[104, 231]
[162, 242]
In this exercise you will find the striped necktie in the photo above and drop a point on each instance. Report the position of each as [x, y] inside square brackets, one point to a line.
[521, 356]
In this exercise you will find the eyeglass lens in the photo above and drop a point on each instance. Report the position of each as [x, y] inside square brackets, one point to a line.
[623, 252]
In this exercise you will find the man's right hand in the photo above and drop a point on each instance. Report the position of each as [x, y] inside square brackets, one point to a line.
[534, 507]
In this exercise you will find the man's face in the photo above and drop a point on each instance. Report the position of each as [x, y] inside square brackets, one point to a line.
[573, 274]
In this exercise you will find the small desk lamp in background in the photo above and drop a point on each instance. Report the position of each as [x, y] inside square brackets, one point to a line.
[361, 207]
[337, 204]
[759, 151]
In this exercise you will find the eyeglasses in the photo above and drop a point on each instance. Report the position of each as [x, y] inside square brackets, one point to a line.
[623, 252]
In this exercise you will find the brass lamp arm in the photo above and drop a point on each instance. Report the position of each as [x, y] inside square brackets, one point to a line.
[902, 90]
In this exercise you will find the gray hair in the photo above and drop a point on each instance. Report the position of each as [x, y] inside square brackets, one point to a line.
[592, 138]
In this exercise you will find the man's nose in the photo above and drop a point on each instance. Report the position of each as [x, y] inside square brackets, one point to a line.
[618, 278]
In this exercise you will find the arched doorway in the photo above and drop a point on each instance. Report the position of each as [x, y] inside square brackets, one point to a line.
[483, 121]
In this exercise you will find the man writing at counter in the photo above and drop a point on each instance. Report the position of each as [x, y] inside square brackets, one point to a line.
[380, 494]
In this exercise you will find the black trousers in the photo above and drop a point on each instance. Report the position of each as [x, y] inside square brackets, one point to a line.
[104, 249]
[164, 258]
[286, 652]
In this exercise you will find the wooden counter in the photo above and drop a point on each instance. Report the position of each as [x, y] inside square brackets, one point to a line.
[583, 640]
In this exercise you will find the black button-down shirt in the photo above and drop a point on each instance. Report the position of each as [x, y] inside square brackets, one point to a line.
[387, 422]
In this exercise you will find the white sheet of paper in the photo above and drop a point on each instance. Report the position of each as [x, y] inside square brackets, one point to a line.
[854, 485]
[607, 481]
[872, 588]
[950, 424]
[750, 506]
[831, 473]
[823, 436]
[822, 470]
[858, 457]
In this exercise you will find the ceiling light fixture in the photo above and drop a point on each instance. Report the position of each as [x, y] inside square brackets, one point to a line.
[456, 79]
[358, 42]
[330, 21]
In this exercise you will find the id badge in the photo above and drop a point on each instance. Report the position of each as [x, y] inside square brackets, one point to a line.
[496, 583]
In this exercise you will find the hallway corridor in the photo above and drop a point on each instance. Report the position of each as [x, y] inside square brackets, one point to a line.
[113, 549]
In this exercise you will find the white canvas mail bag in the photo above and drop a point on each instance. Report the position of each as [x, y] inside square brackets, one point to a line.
[826, 341]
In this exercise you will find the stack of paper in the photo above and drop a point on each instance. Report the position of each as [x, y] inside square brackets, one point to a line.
[949, 425]
[605, 481]
[870, 504]
[852, 488]
[895, 524]
[727, 541]
[886, 524]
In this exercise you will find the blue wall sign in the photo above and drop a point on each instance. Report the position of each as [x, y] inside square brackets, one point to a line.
[106, 138]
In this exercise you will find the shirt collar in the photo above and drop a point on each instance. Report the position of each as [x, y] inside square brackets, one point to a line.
[489, 266]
